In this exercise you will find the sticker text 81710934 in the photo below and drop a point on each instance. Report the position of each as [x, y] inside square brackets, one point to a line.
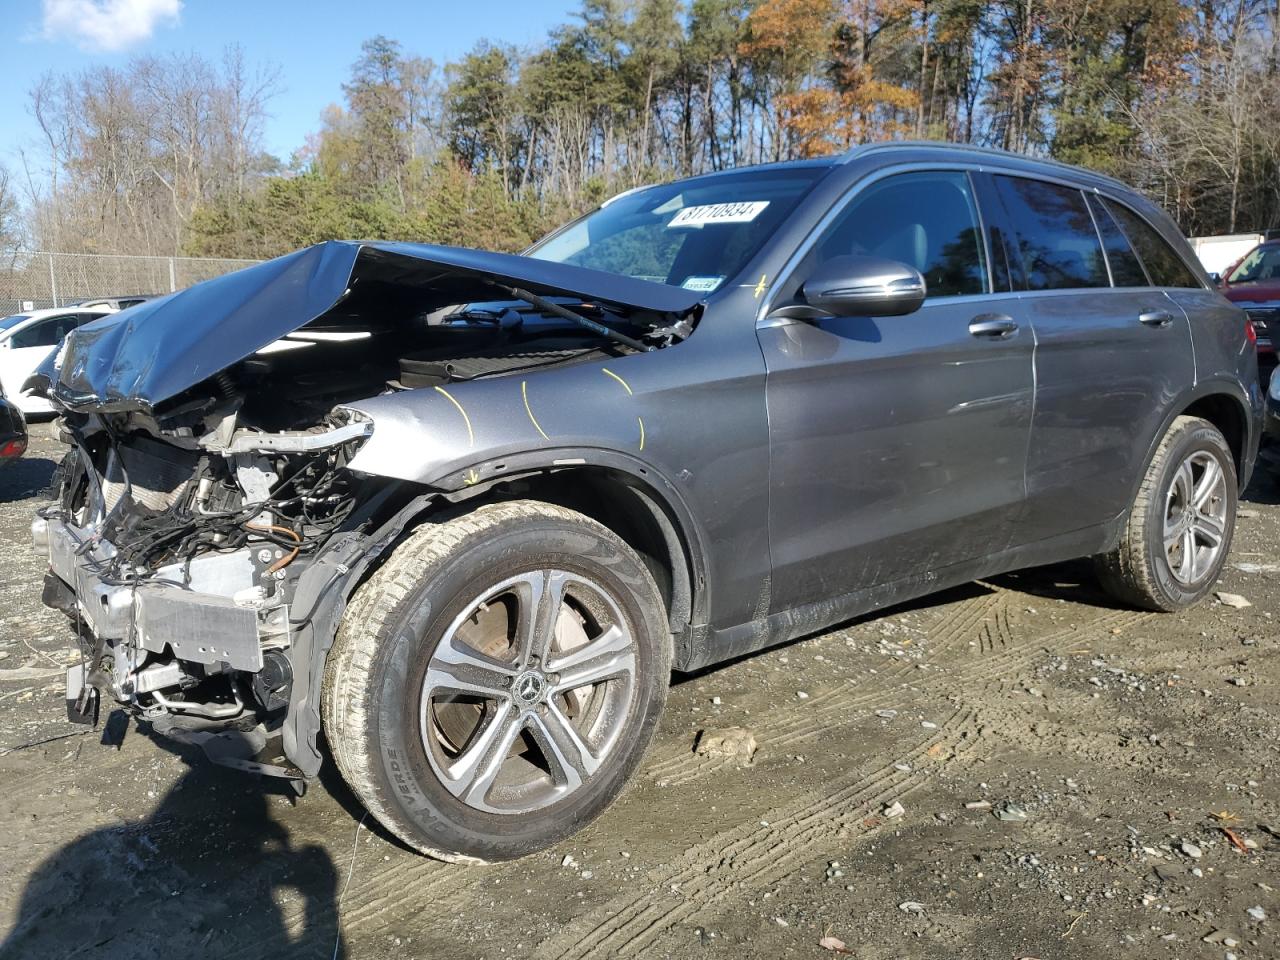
[743, 211]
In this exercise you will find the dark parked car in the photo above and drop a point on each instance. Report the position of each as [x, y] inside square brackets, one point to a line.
[466, 511]
[1254, 284]
[13, 431]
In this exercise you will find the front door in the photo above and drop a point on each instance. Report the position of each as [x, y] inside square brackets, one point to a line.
[897, 444]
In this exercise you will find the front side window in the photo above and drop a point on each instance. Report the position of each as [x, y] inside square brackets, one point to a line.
[926, 220]
[1163, 264]
[42, 333]
[1262, 263]
[1055, 235]
[696, 234]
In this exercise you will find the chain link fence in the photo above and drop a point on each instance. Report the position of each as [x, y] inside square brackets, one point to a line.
[33, 281]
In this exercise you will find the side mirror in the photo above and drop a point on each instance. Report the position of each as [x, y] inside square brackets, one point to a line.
[857, 286]
[1215, 278]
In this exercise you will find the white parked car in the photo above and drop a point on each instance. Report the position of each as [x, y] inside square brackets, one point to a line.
[26, 339]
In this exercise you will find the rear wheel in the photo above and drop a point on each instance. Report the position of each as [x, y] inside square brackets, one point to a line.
[495, 683]
[1179, 529]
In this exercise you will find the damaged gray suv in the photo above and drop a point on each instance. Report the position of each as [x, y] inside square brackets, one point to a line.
[463, 512]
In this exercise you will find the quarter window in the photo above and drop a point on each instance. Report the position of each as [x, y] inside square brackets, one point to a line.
[1163, 264]
[1126, 268]
[1055, 235]
[926, 220]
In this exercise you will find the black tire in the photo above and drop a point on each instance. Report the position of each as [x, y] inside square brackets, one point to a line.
[373, 684]
[1139, 570]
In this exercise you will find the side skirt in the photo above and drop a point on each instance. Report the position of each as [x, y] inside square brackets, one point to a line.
[709, 646]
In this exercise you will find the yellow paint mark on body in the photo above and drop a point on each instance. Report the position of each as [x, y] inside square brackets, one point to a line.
[471, 478]
[524, 393]
[471, 436]
[627, 387]
[760, 286]
[609, 373]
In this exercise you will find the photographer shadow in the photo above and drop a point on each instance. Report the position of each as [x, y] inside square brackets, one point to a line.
[210, 873]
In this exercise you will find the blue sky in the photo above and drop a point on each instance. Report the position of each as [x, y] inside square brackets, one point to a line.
[312, 42]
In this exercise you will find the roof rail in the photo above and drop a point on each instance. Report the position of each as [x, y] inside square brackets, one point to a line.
[941, 145]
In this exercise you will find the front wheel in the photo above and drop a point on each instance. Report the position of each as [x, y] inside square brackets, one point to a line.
[1179, 528]
[494, 684]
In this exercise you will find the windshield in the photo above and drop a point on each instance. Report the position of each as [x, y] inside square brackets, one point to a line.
[1262, 263]
[13, 321]
[695, 234]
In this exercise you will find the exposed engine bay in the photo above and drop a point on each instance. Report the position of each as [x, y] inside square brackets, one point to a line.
[198, 538]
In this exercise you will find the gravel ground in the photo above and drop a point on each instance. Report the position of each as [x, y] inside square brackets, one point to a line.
[1013, 769]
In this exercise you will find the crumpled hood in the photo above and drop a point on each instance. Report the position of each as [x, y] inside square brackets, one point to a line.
[143, 356]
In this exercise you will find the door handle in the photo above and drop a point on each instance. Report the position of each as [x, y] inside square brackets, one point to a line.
[1156, 318]
[993, 326]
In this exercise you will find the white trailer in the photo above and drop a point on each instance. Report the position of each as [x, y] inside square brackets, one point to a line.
[1218, 253]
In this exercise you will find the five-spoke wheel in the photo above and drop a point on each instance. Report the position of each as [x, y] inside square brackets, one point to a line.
[1195, 518]
[494, 684]
[527, 692]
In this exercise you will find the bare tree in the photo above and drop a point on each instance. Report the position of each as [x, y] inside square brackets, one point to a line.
[131, 153]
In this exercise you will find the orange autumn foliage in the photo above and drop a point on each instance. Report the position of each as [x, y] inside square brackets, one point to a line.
[824, 55]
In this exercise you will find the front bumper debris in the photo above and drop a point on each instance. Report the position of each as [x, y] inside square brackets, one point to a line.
[209, 612]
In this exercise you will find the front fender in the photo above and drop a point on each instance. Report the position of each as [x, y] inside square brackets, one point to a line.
[472, 434]
[688, 420]
[431, 433]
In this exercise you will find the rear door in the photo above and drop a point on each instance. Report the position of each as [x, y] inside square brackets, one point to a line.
[897, 444]
[1111, 350]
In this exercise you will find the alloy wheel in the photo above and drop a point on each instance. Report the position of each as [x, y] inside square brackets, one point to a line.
[527, 692]
[1195, 519]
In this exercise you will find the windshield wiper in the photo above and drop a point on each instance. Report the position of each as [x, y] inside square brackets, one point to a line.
[542, 303]
[508, 319]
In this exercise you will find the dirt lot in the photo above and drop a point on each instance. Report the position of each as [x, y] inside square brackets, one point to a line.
[1113, 746]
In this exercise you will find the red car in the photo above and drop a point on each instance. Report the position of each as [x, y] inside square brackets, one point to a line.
[1254, 283]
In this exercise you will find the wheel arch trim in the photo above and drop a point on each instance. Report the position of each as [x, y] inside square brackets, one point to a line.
[674, 514]
[1187, 401]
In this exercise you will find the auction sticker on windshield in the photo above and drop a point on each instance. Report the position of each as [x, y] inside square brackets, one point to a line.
[743, 211]
[702, 284]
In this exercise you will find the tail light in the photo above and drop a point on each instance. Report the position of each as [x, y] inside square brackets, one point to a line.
[1250, 333]
[13, 449]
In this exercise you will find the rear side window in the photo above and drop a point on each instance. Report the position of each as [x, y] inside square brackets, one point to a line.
[1163, 264]
[927, 220]
[1126, 268]
[1055, 235]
